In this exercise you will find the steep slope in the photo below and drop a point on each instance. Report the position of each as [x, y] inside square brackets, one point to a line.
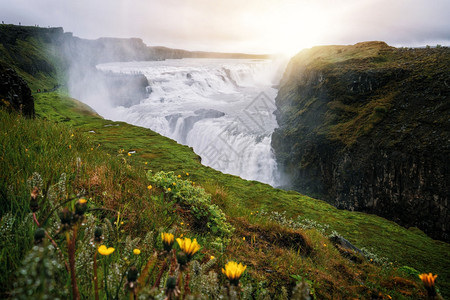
[366, 128]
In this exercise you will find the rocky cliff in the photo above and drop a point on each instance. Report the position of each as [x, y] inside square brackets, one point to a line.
[14, 92]
[366, 127]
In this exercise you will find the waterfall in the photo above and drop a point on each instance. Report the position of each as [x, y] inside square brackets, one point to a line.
[222, 108]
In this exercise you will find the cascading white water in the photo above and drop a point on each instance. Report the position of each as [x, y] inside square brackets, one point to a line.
[222, 108]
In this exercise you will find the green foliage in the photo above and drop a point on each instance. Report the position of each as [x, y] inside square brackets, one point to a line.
[196, 200]
[409, 271]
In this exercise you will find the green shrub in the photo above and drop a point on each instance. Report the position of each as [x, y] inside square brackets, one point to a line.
[194, 198]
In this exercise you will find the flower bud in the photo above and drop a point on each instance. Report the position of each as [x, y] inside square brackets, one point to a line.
[34, 203]
[98, 232]
[80, 207]
[171, 283]
[132, 274]
[182, 258]
[39, 235]
[66, 216]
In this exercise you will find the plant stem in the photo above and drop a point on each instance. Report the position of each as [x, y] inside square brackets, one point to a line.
[105, 275]
[187, 290]
[71, 252]
[95, 277]
[158, 279]
[52, 241]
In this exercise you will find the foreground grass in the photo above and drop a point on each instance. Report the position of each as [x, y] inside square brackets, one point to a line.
[269, 223]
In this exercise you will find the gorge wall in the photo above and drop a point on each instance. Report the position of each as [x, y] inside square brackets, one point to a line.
[366, 127]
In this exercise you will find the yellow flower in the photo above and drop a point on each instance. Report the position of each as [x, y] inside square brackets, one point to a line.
[169, 189]
[233, 271]
[71, 135]
[243, 238]
[70, 146]
[212, 257]
[179, 176]
[149, 187]
[428, 280]
[187, 174]
[181, 223]
[137, 251]
[129, 154]
[188, 246]
[82, 201]
[92, 149]
[146, 163]
[167, 239]
[105, 251]
[174, 183]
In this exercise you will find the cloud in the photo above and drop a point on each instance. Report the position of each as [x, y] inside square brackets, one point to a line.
[253, 25]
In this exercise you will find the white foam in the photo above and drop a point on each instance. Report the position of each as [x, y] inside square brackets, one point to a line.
[186, 102]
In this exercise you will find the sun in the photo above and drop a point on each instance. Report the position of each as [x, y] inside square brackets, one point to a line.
[293, 26]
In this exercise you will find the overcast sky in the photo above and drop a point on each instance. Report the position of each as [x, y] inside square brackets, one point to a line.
[253, 26]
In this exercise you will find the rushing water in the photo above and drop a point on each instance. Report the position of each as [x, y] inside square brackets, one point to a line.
[222, 108]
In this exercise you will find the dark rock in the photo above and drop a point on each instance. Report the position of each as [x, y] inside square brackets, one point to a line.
[343, 243]
[14, 92]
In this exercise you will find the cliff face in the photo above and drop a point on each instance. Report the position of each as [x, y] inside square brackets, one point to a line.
[14, 92]
[366, 127]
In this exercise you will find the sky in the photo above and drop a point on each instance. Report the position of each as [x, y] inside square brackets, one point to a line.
[250, 26]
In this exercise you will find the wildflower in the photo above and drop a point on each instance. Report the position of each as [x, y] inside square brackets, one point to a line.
[82, 201]
[105, 251]
[324, 245]
[71, 135]
[188, 246]
[167, 239]
[233, 271]
[243, 238]
[187, 174]
[181, 223]
[169, 189]
[92, 149]
[121, 223]
[129, 154]
[137, 251]
[146, 163]
[212, 257]
[179, 176]
[428, 282]
[174, 183]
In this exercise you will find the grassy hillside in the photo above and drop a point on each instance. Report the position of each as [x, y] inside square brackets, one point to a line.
[281, 236]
